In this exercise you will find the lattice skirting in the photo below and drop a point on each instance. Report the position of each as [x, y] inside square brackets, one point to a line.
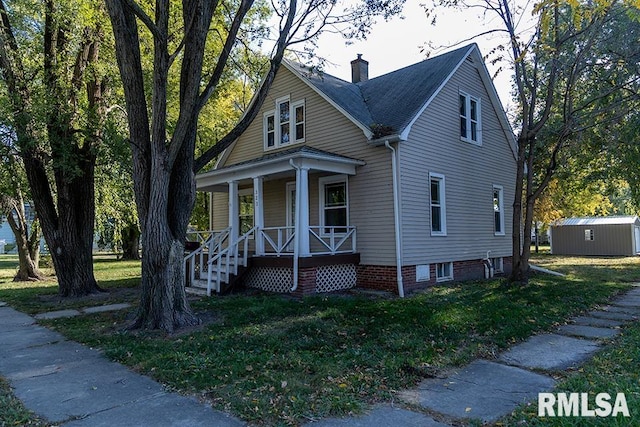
[331, 278]
[271, 279]
[328, 278]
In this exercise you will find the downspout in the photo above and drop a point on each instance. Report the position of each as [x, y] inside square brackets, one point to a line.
[396, 216]
[296, 237]
[489, 268]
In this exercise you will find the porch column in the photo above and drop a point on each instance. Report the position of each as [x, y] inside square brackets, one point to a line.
[234, 212]
[258, 213]
[302, 210]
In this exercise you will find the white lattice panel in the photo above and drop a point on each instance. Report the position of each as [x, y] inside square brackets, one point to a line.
[335, 277]
[271, 279]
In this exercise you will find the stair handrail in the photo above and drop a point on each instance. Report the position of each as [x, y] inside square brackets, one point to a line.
[213, 244]
[226, 253]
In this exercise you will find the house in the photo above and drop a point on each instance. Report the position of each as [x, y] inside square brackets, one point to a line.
[393, 183]
[613, 235]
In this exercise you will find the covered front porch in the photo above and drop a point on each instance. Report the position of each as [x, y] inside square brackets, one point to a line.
[274, 214]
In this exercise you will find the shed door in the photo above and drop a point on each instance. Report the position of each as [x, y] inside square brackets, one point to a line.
[637, 235]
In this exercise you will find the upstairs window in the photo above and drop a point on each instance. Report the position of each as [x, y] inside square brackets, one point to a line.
[285, 125]
[470, 129]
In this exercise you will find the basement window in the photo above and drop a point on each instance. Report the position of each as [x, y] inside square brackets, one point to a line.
[444, 271]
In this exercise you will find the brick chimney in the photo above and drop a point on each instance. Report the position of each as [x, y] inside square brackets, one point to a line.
[359, 70]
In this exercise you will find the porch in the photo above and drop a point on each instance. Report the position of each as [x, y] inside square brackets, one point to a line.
[268, 240]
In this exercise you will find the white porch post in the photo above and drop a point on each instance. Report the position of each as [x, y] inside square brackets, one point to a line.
[302, 208]
[258, 213]
[234, 212]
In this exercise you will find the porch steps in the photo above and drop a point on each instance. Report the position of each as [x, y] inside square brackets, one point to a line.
[192, 290]
[199, 286]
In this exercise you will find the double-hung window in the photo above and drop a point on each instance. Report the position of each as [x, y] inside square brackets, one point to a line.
[245, 210]
[470, 124]
[498, 210]
[285, 125]
[437, 204]
[334, 205]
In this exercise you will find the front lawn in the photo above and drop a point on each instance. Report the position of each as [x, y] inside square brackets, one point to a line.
[271, 359]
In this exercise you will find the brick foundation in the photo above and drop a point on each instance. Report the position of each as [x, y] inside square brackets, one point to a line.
[381, 277]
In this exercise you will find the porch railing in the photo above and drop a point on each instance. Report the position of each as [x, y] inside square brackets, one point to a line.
[219, 257]
[323, 240]
[336, 240]
[196, 260]
[277, 240]
[227, 260]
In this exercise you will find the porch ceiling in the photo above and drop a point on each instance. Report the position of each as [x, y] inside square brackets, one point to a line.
[274, 164]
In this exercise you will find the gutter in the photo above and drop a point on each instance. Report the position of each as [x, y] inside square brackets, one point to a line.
[396, 215]
[379, 142]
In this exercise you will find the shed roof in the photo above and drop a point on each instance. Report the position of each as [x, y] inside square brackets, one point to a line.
[605, 220]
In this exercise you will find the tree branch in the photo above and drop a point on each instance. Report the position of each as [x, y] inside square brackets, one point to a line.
[258, 99]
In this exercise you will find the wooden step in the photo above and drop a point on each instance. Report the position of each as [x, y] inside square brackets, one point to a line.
[196, 291]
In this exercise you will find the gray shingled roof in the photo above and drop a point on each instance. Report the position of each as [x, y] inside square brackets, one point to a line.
[391, 100]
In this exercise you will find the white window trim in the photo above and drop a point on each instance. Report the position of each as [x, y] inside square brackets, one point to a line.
[500, 189]
[444, 278]
[467, 138]
[292, 123]
[322, 181]
[443, 204]
[265, 116]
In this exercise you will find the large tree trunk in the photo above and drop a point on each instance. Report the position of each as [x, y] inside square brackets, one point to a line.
[163, 303]
[68, 230]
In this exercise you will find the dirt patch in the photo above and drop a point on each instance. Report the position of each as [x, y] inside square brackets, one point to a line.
[110, 296]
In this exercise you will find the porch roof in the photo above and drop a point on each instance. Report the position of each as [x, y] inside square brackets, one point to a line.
[279, 163]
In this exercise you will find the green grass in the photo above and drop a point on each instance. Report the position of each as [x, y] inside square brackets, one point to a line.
[273, 360]
[118, 278]
[13, 412]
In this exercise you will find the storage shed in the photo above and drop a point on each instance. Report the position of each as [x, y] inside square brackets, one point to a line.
[613, 235]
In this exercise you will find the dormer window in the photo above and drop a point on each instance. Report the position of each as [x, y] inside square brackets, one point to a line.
[285, 125]
[470, 129]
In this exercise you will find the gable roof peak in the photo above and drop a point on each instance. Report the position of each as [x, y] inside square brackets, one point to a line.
[390, 101]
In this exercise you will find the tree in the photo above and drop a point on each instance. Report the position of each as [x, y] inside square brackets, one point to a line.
[116, 217]
[163, 156]
[13, 206]
[55, 92]
[570, 73]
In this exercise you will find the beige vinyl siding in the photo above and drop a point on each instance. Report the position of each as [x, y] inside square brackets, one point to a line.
[471, 171]
[609, 239]
[370, 190]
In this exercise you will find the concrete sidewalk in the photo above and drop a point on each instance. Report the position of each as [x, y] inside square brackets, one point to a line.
[72, 385]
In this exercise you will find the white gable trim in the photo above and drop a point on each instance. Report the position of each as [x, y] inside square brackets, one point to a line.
[292, 67]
